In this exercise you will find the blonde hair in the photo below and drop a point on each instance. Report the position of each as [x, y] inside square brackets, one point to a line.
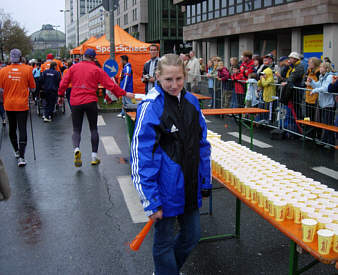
[315, 61]
[170, 59]
[327, 66]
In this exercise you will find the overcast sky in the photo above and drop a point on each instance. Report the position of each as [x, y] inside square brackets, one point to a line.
[32, 14]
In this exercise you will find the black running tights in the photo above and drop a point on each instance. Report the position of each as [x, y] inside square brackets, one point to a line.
[18, 119]
[77, 116]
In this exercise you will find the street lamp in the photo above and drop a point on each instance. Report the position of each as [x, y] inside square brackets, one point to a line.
[64, 13]
[1, 40]
[56, 39]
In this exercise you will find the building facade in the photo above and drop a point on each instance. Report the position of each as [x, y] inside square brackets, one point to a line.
[77, 19]
[165, 25]
[132, 16]
[228, 27]
[48, 38]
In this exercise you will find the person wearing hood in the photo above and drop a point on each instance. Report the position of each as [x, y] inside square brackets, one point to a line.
[326, 100]
[266, 83]
[126, 83]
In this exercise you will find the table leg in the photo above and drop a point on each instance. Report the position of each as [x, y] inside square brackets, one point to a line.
[210, 204]
[238, 218]
[240, 129]
[293, 258]
[251, 131]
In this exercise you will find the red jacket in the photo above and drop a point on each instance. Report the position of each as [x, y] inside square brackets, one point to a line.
[247, 68]
[85, 77]
[239, 86]
[223, 74]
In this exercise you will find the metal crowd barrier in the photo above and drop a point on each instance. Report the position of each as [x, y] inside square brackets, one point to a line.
[302, 105]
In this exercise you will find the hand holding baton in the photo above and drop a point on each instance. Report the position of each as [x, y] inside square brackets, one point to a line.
[138, 240]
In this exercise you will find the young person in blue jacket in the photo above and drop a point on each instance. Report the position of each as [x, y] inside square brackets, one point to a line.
[170, 161]
[51, 79]
[126, 83]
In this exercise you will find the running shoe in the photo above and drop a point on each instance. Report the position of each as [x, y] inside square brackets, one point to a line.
[17, 154]
[77, 159]
[21, 162]
[95, 161]
[120, 115]
[47, 119]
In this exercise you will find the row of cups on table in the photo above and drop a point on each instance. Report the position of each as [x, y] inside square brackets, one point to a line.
[281, 192]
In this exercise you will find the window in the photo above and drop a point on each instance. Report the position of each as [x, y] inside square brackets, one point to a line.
[193, 14]
[257, 4]
[239, 7]
[267, 3]
[188, 15]
[118, 10]
[204, 11]
[125, 5]
[134, 14]
[224, 4]
[119, 21]
[217, 9]
[231, 9]
[210, 9]
[247, 5]
[126, 19]
[134, 2]
[198, 13]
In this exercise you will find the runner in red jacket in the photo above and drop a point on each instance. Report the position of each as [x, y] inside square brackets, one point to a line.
[85, 77]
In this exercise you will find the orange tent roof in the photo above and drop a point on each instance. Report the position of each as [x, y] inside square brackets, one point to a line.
[124, 42]
[90, 40]
[79, 49]
[76, 50]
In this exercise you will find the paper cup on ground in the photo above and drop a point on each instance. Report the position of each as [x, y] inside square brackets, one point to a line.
[325, 237]
[308, 230]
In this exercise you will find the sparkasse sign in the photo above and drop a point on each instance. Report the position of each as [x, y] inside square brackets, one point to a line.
[120, 48]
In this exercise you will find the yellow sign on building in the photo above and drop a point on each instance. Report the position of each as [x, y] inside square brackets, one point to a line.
[313, 43]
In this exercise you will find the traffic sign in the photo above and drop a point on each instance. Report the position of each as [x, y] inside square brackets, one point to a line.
[111, 67]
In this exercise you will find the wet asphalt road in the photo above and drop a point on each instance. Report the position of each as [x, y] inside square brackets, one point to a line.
[63, 220]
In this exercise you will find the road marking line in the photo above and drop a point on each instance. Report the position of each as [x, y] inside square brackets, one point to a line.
[100, 121]
[132, 200]
[110, 146]
[326, 171]
[247, 139]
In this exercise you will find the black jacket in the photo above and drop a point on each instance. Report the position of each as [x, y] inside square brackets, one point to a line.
[51, 80]
[296, 79]
[146, 69]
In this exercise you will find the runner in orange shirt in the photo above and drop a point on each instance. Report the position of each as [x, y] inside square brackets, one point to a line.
[16, 80]
[50, 59]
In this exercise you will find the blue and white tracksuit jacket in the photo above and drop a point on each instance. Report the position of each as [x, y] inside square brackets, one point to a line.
[126, 82]
[170, 154]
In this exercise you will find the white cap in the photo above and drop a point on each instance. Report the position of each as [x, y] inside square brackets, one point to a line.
[294, 55]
